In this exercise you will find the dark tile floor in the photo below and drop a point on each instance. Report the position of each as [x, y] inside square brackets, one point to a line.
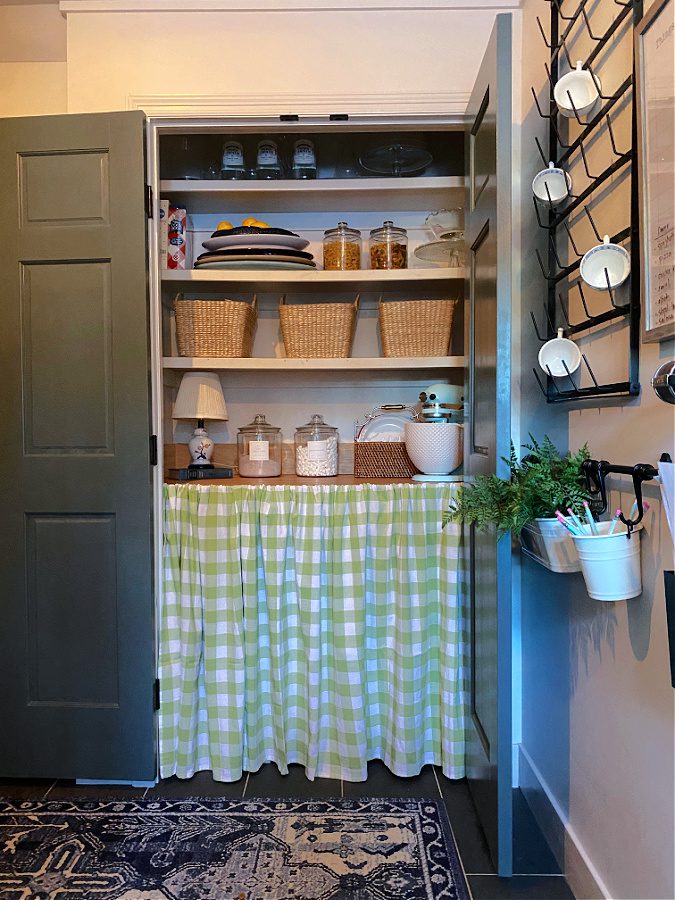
[532, 856]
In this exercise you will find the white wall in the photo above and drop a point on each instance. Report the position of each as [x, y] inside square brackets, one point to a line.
[598, 706]
[312, 57]
[32, 59]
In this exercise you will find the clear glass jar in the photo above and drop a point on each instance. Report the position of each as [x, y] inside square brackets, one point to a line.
[388, 247]
[232, 165]
[316, 449]
[259, 449]
[304, 159]
[268, 164]
[342, 247]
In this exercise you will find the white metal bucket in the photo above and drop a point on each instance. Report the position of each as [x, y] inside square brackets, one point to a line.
[551, 544]
[611, 562]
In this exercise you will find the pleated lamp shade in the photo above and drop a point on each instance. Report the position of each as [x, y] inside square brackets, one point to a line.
[200, 396]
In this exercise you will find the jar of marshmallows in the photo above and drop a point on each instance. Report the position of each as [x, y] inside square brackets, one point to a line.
[316, 449]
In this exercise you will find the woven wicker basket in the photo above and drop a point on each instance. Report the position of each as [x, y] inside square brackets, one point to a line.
[379, 459]
[416, 327]
[215, 327]
[318, 330]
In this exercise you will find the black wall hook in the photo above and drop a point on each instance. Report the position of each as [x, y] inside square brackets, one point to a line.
[596, 471]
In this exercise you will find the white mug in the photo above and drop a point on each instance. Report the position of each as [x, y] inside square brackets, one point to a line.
[581, 86]
[558, 353]
[558, 182]
[612, 257]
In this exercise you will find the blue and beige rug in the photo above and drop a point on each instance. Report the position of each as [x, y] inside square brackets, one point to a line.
[228, 850]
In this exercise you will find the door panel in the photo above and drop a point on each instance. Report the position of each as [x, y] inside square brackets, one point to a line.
[77, 641]
[488, 338]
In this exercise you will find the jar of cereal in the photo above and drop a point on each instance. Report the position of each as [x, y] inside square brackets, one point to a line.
[342, 247]
[316, 448]
[388, 247]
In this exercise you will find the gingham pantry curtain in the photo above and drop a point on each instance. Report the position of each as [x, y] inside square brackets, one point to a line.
[311, 624]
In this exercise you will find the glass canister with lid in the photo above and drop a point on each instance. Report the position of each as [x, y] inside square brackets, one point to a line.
[388, 247]
[342, 247]
[259, 449]
[316, 448]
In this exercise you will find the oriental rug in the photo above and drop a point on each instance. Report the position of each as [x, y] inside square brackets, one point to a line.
[212, 849]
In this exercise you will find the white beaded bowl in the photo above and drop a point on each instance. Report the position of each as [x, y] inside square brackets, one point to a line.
[434, 447]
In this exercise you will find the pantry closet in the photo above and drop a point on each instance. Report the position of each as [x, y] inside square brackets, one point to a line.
[80, 491]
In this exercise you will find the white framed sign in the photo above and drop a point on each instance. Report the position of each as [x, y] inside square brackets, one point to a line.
[655, 71]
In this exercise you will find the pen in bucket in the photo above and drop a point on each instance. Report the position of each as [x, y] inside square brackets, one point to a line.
[563, 521]
[617, 514]
[634, 507]
[575, 519]
[589, 518]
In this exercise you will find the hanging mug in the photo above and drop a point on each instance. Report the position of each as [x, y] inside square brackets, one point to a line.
[605, 266]
[577, 91]
[559, 356]
[552, 185]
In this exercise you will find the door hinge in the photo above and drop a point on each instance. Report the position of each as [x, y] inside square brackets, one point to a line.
[149, 203]
[153, 449]
[289, 117]
[155, 695]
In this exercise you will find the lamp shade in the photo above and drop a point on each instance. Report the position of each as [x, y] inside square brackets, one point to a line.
[200, 396]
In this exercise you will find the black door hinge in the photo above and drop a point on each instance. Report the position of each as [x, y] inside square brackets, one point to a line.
[149, 205]
[338, 117]
[153, 449]
[155, 695]
[289, 117]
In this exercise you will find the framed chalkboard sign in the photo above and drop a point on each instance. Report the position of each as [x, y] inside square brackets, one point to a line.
[655, 71]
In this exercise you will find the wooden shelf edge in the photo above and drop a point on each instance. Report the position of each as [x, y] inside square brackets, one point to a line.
[315, 185]
[360, 276]
[300, 365]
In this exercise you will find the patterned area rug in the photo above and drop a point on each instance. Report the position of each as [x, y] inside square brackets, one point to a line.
[228, 850]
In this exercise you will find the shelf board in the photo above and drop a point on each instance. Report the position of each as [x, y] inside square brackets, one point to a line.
[357, 194]
[352, 363]
[238, 480]
[279, 279]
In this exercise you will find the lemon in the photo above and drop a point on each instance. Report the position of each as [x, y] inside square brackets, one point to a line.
[224, 225]
[260, 224]
[249, 221]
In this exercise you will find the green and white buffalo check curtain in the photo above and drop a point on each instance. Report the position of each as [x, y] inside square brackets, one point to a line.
[311, 624]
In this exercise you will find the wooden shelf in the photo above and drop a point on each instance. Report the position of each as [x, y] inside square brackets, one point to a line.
[355, 194]
[293, 480]
[283, 280]
[299, 365]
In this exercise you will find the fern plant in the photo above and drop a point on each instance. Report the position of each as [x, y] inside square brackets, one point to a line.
[541, 482]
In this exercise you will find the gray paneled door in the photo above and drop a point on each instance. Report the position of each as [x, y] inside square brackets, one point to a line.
[76, 592]
[488, 339]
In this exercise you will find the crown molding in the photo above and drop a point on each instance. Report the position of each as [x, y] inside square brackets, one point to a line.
[267, 6]
[449, 103]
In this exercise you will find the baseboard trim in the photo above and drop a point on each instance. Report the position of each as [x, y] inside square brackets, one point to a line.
[581, 875]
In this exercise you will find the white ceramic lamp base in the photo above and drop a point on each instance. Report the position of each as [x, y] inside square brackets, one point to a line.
[201, 449]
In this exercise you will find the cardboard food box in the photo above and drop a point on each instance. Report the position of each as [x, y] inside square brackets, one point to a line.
[163, 232]
[177, 238]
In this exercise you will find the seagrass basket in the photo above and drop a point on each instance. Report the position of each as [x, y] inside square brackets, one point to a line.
[318, 330]
[416, 327]
[215, 327]
[382, 459]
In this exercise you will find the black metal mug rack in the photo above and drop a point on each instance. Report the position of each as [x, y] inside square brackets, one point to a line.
[557, 275]
[596, 471]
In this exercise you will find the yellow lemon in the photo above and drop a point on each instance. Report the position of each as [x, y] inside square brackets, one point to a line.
[249, 221]
[260, 224]
[224, 225]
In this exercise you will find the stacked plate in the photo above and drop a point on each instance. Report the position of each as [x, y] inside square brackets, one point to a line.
[249, 247]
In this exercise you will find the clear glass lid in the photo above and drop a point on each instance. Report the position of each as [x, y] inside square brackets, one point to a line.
[388, 229]
[259, 425]
[316, 426]
[341, 230]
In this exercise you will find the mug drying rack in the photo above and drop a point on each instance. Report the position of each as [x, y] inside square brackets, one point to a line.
[560, 276]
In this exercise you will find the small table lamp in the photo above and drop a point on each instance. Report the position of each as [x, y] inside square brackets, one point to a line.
[200, 397]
